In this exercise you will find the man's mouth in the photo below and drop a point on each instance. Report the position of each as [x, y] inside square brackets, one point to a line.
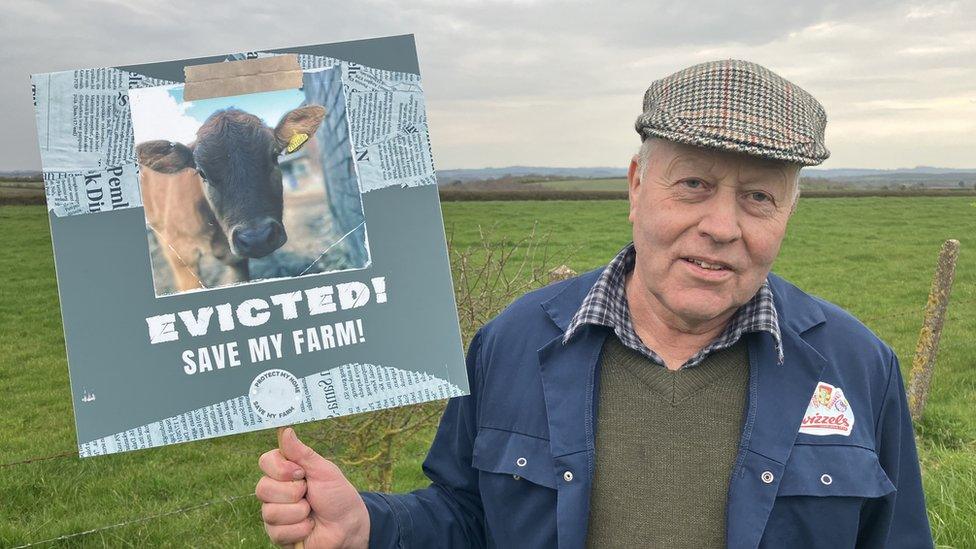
[711, 266]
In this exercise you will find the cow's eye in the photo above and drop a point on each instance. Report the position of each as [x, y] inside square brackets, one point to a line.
[274, 159]
[203, 175]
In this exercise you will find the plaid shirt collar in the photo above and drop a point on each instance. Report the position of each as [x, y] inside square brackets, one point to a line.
[606, 305]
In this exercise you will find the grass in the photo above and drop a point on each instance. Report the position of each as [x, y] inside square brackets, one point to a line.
[873, 256]
[616, 184]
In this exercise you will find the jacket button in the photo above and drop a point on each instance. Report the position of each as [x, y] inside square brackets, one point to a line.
[516, 477]
[826, 479]
[767, 477]
[568, 476]
[520, 462]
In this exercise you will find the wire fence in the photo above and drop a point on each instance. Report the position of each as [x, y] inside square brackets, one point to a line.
[36, 459]
[138, 520]
[74, 453]
[914, 311]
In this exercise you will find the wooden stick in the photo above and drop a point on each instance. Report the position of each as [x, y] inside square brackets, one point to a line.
[928, 340]
[281, 433]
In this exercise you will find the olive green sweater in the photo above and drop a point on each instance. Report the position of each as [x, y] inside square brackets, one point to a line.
[665, 444]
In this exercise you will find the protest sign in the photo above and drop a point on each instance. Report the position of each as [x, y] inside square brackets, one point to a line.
[246, 241]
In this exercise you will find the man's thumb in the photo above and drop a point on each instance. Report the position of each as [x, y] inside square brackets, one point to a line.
[297, 452]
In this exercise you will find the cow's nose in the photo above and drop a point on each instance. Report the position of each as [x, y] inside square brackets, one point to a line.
[260, 240]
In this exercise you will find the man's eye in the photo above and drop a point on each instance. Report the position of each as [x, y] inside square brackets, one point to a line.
[694, 183]
[760, 197]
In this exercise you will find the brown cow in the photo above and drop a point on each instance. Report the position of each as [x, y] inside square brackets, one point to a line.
[221, 194]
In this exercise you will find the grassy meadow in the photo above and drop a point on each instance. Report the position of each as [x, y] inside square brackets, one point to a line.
[873, 256]
[617, 184]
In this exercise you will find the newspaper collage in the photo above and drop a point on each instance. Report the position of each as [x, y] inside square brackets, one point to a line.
[347, 390]
[85, 132]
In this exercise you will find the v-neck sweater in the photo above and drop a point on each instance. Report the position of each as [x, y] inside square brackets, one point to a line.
[665, 445]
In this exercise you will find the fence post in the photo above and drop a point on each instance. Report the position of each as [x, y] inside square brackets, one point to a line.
[928, 339]
[561, 272]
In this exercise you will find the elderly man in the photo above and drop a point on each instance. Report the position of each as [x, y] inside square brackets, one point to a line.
[682, 396]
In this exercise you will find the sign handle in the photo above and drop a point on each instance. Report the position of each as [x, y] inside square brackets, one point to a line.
[281, 433]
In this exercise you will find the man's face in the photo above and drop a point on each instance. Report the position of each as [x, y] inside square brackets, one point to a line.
[694, 204]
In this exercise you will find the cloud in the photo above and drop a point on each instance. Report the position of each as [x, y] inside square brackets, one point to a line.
[556, 83]
[157, 115]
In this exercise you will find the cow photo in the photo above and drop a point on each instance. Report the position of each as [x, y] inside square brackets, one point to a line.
[246, 188]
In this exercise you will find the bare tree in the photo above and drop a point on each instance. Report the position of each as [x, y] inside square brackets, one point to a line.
[487, 277]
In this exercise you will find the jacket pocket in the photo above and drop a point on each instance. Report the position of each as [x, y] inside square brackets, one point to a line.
[834, 470]
[507, 452]
[517, 482]
[822, 496]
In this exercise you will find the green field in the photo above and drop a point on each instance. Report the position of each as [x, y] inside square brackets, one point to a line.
[873, 256]
[619, 184]
[20, 190]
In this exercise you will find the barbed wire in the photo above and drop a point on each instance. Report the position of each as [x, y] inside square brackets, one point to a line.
[138, 520]
[917, 310]
[42, 458]
[229, 499]
[913, 311]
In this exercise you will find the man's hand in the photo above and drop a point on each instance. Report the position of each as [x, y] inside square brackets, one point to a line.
[306, 498]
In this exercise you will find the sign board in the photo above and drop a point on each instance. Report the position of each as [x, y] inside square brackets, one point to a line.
[246, 241]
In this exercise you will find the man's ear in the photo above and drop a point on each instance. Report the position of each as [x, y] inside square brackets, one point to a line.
[796, 196]
[165, 156]
[633, 186]
[297, 126]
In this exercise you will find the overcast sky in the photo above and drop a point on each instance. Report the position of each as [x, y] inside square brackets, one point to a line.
[554, 84]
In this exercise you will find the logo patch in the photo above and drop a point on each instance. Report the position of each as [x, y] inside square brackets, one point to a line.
[829, 412]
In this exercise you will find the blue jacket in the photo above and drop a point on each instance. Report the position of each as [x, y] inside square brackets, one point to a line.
[512, 463]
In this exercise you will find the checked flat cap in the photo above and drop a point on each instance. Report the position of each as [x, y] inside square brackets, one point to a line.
[736, 106]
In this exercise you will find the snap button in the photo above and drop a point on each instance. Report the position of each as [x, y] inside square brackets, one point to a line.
[826, 479]
[520, 462]
[516, 477]
[767, 477]
[568, 476]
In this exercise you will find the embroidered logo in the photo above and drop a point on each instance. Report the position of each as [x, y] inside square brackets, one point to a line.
[829, 412]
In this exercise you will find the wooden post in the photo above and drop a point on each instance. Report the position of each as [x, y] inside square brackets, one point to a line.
[281, 433]
[928, 339]
[561, 272]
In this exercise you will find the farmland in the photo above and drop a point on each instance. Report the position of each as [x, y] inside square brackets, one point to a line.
[587, 185]
[872, 256]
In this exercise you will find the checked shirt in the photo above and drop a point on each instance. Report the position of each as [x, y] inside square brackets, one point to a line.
[606, 305]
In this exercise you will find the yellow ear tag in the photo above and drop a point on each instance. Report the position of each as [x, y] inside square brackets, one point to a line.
[296, 141]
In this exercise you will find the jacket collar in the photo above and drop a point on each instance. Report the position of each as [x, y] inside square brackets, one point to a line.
[562, 306]
[804, 311]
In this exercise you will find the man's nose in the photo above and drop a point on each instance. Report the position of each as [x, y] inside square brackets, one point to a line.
[720, 221]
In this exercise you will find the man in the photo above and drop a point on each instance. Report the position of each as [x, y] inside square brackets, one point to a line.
[683, 396]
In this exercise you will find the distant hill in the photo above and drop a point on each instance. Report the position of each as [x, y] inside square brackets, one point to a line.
[899, 172]
[920, 176]
[21, 175]
[925, 176]
[445, 177]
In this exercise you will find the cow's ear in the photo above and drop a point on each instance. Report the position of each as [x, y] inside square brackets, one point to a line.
[297, 126]
[165, 156]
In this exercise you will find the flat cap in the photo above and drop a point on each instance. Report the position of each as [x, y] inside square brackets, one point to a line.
[736, 106]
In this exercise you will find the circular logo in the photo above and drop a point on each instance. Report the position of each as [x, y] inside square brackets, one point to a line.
[275, 394]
